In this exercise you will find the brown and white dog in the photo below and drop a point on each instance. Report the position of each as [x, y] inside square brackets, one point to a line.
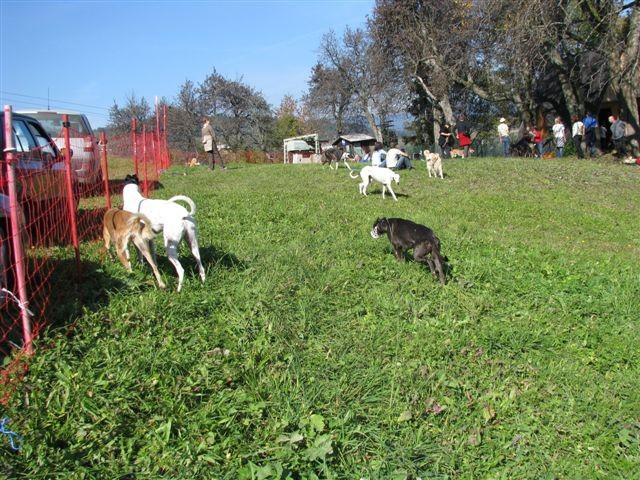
[119, 227]
[168, 217]
[434, 164]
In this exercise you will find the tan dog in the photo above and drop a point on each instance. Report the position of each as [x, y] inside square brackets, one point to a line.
[459, 152]
[120, 227]
[434, 164]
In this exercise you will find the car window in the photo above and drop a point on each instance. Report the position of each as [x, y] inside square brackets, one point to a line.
[43, 142]
[22, 137]
[53, 126]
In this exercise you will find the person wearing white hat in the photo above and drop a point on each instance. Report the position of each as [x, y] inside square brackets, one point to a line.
[503, 136]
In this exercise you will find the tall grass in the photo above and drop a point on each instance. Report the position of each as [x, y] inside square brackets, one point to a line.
[310, 352]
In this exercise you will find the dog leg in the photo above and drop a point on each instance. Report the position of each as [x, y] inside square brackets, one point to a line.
[437, 259]
[420, 253]
[398, 252]
[392, 194]
[107, 242]
[192, 238]
[172, 254]
[143, 247]
[123, 254]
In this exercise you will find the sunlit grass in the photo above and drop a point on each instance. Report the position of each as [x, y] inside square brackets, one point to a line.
[311, 353]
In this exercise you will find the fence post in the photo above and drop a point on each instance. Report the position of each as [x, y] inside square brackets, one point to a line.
[164, 137]
[16, 230]
[105, 168]
[145, 186]
[70, 198]
[154, 151]
[134, 139]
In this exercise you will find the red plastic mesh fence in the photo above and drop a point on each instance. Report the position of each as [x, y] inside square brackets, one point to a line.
[49, 209]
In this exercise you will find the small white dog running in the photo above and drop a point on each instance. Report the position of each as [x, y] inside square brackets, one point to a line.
[434, 164]
[380, 174]
[169, 217]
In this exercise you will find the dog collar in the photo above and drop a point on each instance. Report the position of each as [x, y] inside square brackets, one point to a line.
[140, 203]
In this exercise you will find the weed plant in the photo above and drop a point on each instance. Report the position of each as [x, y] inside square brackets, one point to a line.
[309, 352]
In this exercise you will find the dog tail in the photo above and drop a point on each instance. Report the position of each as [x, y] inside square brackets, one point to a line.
[353, 174]
[140, 224]
[184, 198]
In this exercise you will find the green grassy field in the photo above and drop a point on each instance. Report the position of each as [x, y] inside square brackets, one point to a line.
[310, 352]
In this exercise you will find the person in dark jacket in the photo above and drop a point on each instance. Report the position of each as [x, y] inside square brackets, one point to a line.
[445, 141]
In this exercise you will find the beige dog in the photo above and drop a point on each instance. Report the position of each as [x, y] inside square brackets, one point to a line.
[120, 227]
[434, 164]
[459, 152]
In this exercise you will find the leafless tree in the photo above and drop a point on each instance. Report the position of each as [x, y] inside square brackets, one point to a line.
[363, 73]
[240, 113]
[328, 95]
[120, 118]
[184, 118]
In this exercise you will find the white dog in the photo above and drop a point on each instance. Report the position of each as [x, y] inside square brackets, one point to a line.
[380, 174]
[169, 217]
[434, 164]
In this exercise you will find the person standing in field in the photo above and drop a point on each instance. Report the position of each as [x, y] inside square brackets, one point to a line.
[618, 131]
[445, 140]
[577, 131]
[463, 130]
[503, 136]
[559, 136]
[209, 142]
[539, 141]
[590, 127]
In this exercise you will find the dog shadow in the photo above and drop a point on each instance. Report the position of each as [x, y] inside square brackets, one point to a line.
[387, 194]
[214, 256]
[210, 256]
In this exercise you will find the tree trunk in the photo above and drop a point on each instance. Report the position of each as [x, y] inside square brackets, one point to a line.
[625, 73]
[377, 132]
[570, 96]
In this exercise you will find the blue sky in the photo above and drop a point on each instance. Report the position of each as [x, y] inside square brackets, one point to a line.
[84, 55]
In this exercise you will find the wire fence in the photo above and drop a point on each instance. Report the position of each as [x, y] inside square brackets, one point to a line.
[53, 196]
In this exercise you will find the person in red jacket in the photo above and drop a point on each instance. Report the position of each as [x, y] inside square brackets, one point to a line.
[463, 130]
[537, 139]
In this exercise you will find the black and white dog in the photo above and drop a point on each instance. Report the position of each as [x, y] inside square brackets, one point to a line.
[404, 235]
[168, 217]
[333, 156]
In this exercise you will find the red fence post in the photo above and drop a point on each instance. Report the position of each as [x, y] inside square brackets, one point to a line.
[70, 199]
[145, 186]
[164, 137]
[157, 129]
[134, 139]
[16, 230]
[105, 169]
